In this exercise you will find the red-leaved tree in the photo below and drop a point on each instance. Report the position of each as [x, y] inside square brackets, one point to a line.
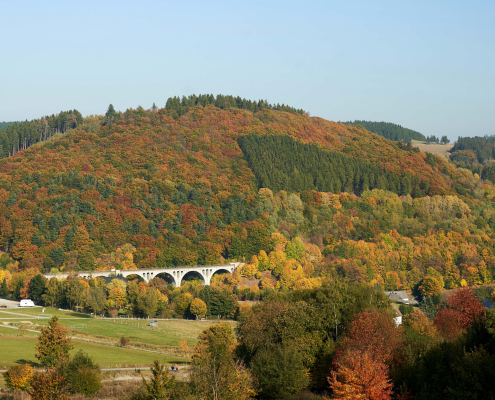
[374, 333]
[448, 324]
[360, 368]
[463, 309]
[468, 308]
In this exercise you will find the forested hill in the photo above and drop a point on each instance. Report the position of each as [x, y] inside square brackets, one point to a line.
[390, 131]
[18, 136]
[323, 216]
[474, 150]
[149, 188]
[15, 136]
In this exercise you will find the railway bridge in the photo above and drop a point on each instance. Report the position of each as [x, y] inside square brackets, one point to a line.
[175, 273]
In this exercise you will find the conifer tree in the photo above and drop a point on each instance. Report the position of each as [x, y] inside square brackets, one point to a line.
[4, 289]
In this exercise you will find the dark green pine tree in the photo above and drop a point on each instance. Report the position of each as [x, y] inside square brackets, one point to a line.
[111, 115]
[4, 289]
[37, 288]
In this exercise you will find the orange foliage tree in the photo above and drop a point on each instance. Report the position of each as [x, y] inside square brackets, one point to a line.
[360, 375]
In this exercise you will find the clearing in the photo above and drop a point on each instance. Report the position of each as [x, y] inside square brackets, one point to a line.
[18, 350]
[168, 332]
[440, 149]
[99, 337]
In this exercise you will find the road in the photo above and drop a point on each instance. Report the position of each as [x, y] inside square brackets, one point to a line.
[9, 303]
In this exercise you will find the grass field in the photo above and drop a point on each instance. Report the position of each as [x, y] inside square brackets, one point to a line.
[440, 149]
[15, 350]
[168, 333]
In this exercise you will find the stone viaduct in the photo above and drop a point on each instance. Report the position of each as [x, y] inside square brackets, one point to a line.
[175, 273]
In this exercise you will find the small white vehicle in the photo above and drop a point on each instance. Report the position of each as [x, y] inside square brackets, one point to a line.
[26, 303]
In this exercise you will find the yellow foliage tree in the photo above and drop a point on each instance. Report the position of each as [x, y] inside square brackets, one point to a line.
[4, 274]
[18, 377]
[118, 296]
[198, 307]
[420, 323]
[430, 286]
[266, 283]
[263, 261]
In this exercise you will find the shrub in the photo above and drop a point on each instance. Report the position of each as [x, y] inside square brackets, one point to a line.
[49, 385]
[83, 374]
[18, 377]
[124, 341]
[113, 313]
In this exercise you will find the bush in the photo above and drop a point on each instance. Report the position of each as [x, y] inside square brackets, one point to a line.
[113, 313]
[280, 371]
[82, 374]
[124, 341]
[406, 309]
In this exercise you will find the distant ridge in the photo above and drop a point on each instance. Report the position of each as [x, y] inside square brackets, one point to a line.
[4, 125]
[390, 131]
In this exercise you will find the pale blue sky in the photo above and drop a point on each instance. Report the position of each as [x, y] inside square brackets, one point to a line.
[427, 65]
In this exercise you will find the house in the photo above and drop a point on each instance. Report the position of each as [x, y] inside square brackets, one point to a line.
[401, 297]
[398, 314]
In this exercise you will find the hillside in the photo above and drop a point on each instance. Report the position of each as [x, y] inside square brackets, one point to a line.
[474, 150]
[390, 131]
[155, 189]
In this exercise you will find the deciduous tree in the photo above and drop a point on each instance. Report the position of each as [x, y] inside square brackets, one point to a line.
[96, 299]
[360, 375]
[215, 375]
[198, 308]
[53, 343]
[18, 377]
[49, 385]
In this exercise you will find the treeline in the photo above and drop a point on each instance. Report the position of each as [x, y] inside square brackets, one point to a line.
[473, 150]
[21, 135]
[434, 139]
[4, 125]
[281, 163]
[132, 298]
[390, 131]
[177, 106]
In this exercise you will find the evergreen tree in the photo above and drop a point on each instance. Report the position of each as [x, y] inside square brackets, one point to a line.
[37, 288]
[4, 289]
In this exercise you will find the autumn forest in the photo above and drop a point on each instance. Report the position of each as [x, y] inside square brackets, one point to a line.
[325, 216]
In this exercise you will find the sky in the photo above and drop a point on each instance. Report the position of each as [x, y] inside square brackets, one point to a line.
[426, 65]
